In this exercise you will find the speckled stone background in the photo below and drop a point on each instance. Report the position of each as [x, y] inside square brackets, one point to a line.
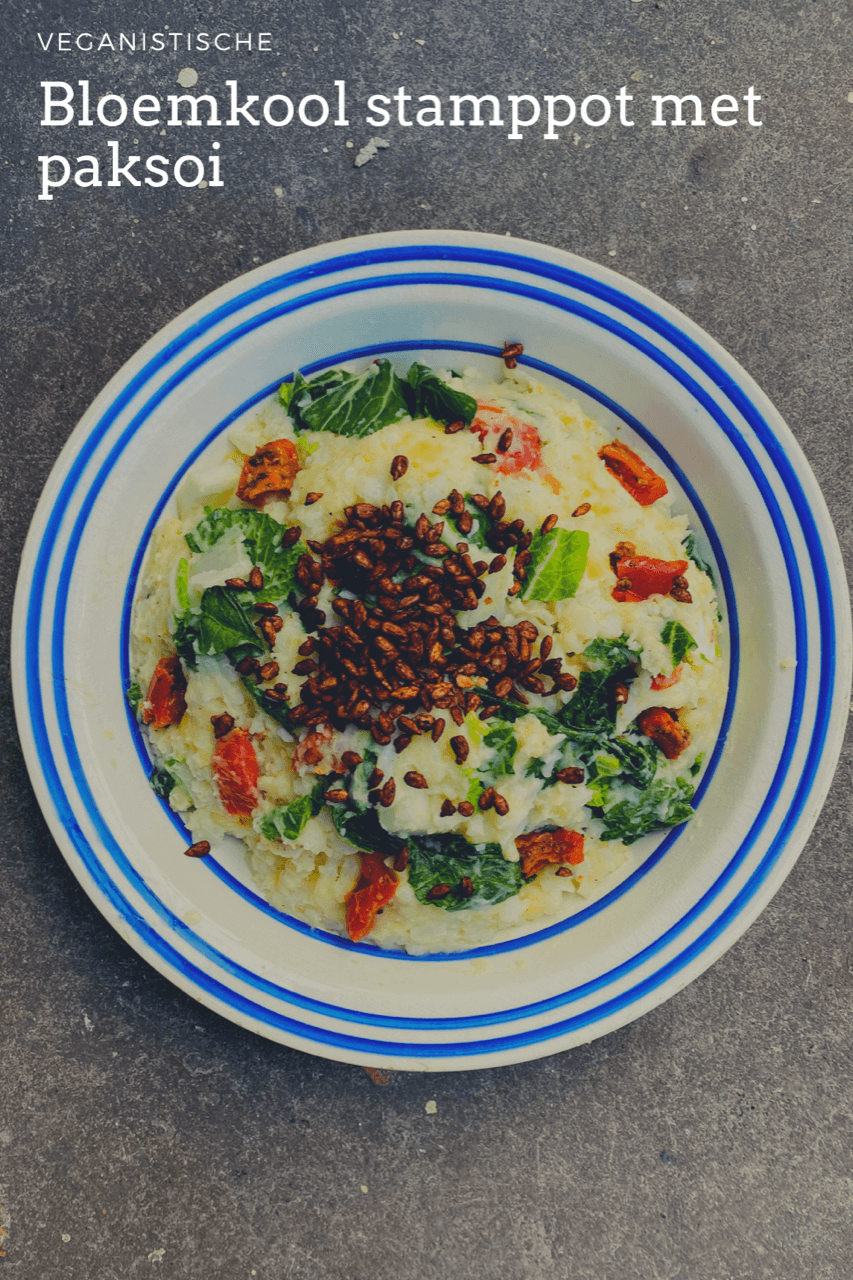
[143, 1136]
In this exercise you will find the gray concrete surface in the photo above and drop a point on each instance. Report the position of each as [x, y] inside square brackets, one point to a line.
[143, 1136]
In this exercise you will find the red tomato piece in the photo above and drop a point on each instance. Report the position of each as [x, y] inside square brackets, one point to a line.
[525, 450]
[166, 697]
[269, 473]
[539, 849]
[235, 767]
[666, 733]
[374, 889]
[638, 577]
[666, 682]
[644, 485]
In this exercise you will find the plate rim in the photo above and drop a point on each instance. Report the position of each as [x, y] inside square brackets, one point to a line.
[628, 290]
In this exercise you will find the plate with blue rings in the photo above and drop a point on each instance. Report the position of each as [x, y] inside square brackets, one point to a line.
[684, 897]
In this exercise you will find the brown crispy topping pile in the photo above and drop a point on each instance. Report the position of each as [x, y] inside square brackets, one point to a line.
[398, 651]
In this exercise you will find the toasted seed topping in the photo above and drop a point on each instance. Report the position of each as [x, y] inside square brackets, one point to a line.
[448, 808]
[510, 354]
[311, 498]
[200, 849]
[222, 724]
[399, 466]
[237, 584]
[398, 648]
[402, 859]
[466, 809]
[256, 579]
[570, 776]
[485, 458]
[438, 891]
[548, 524]
[416, 780]
[337, 795]
[581, 510]
[505, 440]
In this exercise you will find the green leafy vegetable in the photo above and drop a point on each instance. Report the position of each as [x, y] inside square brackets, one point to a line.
[223, 623]
[278, 711]
[502, 741]
[429, 396]
[662, 805]
[446, 859]
[134, 696]
[679, 640]
[557, 563]
[347, 405]
[182, 590]
[362, 828]
[288, 821]
[162, 783]
[185, 636]
[592, 705]
[262, 541]
[692, 554]
[697, 764]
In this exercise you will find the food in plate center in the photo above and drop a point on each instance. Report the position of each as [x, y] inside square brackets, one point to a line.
[435, 647]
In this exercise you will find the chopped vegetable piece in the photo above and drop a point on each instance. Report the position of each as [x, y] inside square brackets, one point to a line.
[635, 476]
[428, 395]
[666, 682]
[666, 733]
[166, 702]
[374, 889]
[557, 564]
[269, 473]
[525, 449]
[680, 642]
[235, 767]
[638, 577]
[540, 848]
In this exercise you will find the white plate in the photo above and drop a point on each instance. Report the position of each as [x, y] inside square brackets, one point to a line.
[684, 898]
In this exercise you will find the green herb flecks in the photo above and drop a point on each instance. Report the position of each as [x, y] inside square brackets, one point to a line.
[133, 693]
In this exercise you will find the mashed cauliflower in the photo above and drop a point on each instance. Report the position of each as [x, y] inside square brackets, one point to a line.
[434, 647]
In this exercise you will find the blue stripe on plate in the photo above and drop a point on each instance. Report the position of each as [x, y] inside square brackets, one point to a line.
[779, 459]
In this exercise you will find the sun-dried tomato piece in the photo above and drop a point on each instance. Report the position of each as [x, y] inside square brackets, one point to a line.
[522, 446]
[635, 476]
[235, 767]
[269, 473]
[666, 733]
[539, 849]
[166, 701]
[374, 889]
[666, 682]
[638, 577]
